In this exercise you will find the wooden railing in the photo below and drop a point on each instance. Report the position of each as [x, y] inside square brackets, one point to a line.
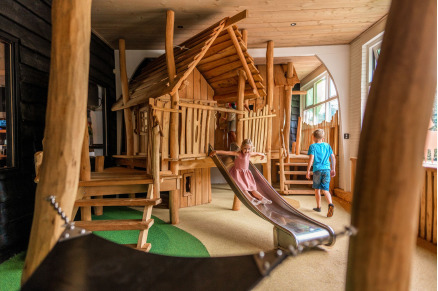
[331, 129]
[427, 227]
[255, 127]
[196, 129]
[427, 224]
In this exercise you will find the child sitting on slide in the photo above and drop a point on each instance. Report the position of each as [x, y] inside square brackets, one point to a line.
[240, 172]
[319, 155]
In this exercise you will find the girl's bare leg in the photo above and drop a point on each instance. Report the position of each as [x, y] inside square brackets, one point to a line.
[256, 194]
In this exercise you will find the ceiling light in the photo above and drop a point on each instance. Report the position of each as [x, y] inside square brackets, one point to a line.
[180, 26]
[293, 24]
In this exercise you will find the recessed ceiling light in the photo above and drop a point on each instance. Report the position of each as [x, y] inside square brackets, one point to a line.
[180, 26]
[293, 24]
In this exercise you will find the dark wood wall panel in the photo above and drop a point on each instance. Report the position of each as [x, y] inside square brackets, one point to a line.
[29, 23]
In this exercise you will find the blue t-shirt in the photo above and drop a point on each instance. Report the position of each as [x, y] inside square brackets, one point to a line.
[321, 152]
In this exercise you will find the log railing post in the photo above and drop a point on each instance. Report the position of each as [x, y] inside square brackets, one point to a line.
[174, 197]
[125, 95]
[389, 165]
[270, 97]
[64, 131]
[240, 102]
[287, 106]
[298, 145]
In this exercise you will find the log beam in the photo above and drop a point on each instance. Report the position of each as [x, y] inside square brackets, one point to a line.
[64, 131]
[125, 95]
[269, 101]
[387, 191]
[287, 106]
[240, 107]
[243, 60]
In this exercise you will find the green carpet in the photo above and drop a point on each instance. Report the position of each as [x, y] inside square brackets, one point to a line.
[166, 239]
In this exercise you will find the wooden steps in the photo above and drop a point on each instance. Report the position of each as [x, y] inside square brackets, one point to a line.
[298, 192]
[118, 202]
[295, 172]
[293, 164]
[123, 224]
[298, 182]
[145, 248]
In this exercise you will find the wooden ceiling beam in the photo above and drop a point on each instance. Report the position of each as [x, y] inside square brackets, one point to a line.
[236, 18]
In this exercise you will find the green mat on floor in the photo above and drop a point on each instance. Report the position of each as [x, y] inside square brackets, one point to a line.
[166, 239]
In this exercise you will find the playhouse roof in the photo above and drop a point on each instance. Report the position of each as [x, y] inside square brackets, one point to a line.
[217, 57]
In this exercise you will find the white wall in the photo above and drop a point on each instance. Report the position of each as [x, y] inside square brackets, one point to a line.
[336, 58]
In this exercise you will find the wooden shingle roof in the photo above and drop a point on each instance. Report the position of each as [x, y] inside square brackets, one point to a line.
[217, 52]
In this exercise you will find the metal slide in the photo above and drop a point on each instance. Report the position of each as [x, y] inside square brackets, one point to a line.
[291, 226]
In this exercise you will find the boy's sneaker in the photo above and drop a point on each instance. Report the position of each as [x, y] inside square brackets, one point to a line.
[317, 209]
[331, 209]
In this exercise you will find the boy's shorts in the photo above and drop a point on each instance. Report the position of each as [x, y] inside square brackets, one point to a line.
[321, 180]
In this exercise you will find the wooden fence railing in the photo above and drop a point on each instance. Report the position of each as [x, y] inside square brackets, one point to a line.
[255, 127]
[427, 223]
[427, 227]
[331, 129]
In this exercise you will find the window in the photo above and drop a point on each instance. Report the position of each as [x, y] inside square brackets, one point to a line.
[7, 151]
[321, 100]
[96, 116]
[373, 57]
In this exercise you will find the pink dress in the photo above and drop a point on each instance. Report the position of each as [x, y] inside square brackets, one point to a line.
[241, 174]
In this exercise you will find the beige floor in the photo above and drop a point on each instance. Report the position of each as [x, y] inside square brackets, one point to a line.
[225, 232]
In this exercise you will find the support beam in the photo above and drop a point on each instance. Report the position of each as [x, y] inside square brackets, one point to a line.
[287, 106]
[298, 141]
[174, 118]
[387, 192]
[125, 95]
[245, 37]
[236, 18]
[240, 102]
[243, 60]
[269, 101]
[170, 60]
[64, 131]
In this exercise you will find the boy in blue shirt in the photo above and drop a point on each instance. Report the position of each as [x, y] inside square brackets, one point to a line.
[319, 155]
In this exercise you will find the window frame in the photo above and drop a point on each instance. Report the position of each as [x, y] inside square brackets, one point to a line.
[11, 110]
[312, 84]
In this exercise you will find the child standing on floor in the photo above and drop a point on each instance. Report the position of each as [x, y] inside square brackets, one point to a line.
[240, 172]
[319, 155]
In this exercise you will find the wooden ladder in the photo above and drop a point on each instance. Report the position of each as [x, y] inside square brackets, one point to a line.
[290, 168]
[113, 181]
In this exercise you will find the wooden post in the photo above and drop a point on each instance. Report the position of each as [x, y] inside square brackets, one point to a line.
[99, 162]
[245, 37]
[270, 97]
[125, 95]
[298, 144]
[174, 118]
[85, 172]
[64, 131]
[240, 102]
[281, 170]
[387, 191]
[156, 159]
[287, 106]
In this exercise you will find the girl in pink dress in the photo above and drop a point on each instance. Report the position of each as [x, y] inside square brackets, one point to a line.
[240, 172]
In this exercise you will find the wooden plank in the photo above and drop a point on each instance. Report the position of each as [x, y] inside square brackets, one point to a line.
[429, 205]
[118, 202]
[113, 190]
[195, 140]
[189, 131]
[199, 194]
[121, 224]
[165, 138]
[423, 208]
[208, 135]
[434, 192]
[298, 182]
[205, 185]
[204, 134]
[182, 139]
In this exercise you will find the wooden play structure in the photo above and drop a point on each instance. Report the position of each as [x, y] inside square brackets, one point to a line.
[294, 165]
[380, 255]
[171, 108]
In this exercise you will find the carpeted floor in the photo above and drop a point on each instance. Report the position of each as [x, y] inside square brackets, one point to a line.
[225, 232]
[165, 238]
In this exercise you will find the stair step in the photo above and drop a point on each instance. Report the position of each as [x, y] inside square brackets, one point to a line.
[297, 192]
[295, 172]
[118, 202]
[114, 182]
[122, 224]
[298, 182]
[145, 248]
[293, 164]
